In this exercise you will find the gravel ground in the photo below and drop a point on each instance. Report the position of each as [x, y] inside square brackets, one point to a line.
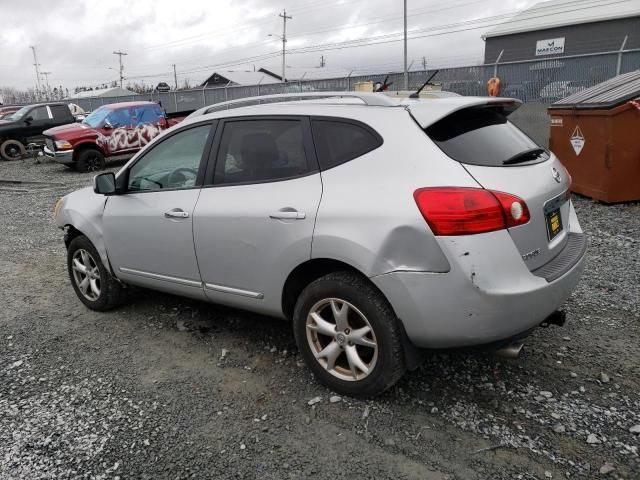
[170, 388]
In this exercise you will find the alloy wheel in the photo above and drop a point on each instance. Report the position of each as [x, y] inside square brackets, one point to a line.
[342, 339]
[86, 274]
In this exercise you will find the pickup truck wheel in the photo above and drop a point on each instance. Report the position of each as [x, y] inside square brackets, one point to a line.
[12, 150]
[90, 160]
[92, 282]
[348, 335]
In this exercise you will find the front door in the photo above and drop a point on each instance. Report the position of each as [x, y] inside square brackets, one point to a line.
[148, 229]
[254, 224]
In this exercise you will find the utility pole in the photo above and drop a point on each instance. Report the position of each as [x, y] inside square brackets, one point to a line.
[46, 81]
[424, 63]
[406, 72]
[175, 76]
[120, 54]
[322, 62]
[284, 17]
[36, 64]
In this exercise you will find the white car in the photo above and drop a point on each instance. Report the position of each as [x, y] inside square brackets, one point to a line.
[378, 227]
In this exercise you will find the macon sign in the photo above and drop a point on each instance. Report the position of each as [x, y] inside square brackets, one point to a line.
[553, 46]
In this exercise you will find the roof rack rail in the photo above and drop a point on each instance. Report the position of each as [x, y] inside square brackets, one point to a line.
[370, 99]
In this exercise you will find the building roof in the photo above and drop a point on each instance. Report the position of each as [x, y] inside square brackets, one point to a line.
[609, 94]
[238, 77]
[562, 13]
[103, 92]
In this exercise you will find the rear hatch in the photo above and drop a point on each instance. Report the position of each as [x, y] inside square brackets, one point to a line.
[501, 157]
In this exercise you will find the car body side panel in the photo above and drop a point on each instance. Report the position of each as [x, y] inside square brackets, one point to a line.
[83, 210]
[241, 248]
[489, 294]
[368, 217]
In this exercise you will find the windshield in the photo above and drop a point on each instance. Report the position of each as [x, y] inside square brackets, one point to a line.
[95, 119]
[19, 114]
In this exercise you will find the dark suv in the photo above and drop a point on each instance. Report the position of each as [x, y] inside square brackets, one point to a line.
[27, 124]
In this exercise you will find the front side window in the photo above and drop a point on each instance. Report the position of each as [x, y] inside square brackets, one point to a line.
[39, 114]
[261, 150]
[120, 118]
[172, 163]
[339, 142]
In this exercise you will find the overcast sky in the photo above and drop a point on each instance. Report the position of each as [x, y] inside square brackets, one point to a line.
[75, 38]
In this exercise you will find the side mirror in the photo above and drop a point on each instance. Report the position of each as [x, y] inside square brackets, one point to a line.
[105, 183]
[107, 125]
[28, 120]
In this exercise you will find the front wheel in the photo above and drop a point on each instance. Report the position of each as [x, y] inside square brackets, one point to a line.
[90, 160]
[92, 282]
[12, 150]
[348, 335]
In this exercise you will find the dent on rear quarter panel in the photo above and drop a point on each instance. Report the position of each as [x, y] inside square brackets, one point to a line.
[368, 216]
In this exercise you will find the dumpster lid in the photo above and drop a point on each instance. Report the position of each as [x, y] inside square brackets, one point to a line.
[605, 95]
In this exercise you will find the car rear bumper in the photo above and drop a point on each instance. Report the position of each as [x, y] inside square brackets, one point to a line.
[488, 296]
[65, 157]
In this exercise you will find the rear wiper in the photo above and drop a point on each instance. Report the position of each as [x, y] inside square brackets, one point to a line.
[527, 155]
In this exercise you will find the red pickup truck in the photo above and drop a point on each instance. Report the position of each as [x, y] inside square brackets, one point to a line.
[114, 132]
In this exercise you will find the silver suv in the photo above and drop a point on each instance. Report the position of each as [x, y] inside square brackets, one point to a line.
[378, 226]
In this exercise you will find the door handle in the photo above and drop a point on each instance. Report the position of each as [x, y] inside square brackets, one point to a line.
[288, 215]
[176, 213]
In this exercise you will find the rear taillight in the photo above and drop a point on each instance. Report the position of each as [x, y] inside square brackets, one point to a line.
[467, 211]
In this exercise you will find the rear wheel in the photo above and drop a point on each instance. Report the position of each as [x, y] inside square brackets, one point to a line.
[348, 335]
[12, 150]
[93, 284]
[90, 160]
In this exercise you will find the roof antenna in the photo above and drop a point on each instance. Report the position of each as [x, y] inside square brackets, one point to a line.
[417, 93]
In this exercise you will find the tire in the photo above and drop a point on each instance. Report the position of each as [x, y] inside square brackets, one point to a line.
[12, 150]
[105, 292]
[366, 309]
[90, 160]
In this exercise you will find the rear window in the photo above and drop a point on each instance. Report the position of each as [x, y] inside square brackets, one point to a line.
[338, 142]
[482, 136]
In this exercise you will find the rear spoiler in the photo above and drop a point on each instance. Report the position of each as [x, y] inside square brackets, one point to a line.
[428, 112]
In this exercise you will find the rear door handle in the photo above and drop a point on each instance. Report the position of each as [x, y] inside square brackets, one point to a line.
[288, 215]
[176, 213]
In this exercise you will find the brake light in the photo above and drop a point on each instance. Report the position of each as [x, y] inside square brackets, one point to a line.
[467, 211]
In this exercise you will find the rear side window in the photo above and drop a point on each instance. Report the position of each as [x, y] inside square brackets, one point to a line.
[254, 151]
[60, 112]
[147, 114]
[338, 142]
[482, 136]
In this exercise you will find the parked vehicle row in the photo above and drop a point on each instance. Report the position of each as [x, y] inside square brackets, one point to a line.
[111, 132]
[378, 228]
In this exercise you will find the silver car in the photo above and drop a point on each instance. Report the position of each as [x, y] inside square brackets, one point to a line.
[378, 226]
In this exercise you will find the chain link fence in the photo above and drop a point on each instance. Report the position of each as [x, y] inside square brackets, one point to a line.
[537, 83]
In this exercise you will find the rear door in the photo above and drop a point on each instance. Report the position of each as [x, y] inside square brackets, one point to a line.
[254, 223]
[147, 123]
[501, 157]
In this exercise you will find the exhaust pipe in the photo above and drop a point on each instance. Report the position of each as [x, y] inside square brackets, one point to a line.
[512, 351]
